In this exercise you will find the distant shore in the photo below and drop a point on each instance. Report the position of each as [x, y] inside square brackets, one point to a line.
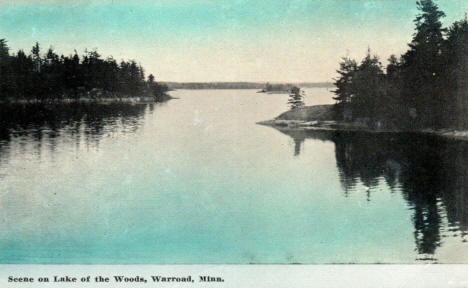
[322, 117]
[273, 92]
[241, 85]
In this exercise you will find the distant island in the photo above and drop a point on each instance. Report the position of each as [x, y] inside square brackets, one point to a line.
[242, 85]
[276, 88]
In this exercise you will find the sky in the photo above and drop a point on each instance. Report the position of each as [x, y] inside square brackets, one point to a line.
[221, 40]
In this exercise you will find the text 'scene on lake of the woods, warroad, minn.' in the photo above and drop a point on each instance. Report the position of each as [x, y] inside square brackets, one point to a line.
[115, 279]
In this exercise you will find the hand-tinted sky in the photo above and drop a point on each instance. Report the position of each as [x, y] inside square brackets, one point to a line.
[220, 40]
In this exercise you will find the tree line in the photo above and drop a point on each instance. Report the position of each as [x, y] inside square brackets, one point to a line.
[277, 87]
[48, 76]
[426, 87]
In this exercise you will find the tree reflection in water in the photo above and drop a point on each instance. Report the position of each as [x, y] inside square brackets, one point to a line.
[41, 124]
[430, 172]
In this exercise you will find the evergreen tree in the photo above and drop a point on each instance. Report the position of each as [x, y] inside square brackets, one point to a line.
[344, 86]
[456, 74]
[4, 50]
[36, 50]
[150, 79]
[422, 64]
[22, 68]
[395, 107]
[296, 98]
[4, 69]
[52, 74]
[368, 88]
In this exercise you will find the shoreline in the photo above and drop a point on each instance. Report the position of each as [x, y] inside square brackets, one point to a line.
[273, 92]
[320, 117]
[103, 100]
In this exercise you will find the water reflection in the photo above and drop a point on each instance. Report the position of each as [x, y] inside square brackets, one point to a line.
[43, 124]
[140, 171]
[430, 172]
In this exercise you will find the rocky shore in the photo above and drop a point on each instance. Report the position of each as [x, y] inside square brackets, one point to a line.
[322, 117]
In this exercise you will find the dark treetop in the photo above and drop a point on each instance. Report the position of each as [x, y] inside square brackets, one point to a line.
[427, 87]
[49, 76]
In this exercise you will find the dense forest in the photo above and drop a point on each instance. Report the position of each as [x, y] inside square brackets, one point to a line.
[48, 76]
[427, 87]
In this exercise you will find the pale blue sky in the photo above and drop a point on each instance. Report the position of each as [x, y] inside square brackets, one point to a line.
[220, 40]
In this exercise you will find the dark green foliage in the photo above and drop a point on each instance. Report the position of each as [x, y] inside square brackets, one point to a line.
[296, 97]
[456, 73]
[427, 87]
[361, 88]
[422, 65]
[157, 90]
[5, 69]
[344, 87]
[368, 83]
[50, 76]
[277, 87]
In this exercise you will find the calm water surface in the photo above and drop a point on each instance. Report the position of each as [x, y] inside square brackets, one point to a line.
[195, 180]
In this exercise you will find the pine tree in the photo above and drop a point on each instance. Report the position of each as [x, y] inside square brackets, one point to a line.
[456, 76]
[36, 54]
[368, 88]
[296, 98]
[344, 86]
[150, 79]
[4, 50]
[422, 64]
[4, 69]
[395, 108]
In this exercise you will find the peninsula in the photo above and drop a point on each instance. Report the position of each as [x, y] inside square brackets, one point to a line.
[424, 90]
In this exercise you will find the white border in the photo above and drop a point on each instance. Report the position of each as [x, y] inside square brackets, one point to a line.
[258, 276]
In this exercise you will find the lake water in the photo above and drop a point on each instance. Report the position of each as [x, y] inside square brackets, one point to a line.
[195, 180]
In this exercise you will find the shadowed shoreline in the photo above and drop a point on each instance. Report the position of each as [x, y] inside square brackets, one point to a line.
[323, 117]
